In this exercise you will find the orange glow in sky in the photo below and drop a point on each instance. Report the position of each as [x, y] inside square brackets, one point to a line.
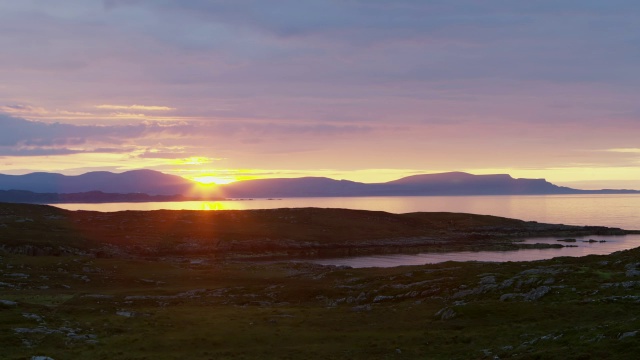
[209, 179]
[229, 96]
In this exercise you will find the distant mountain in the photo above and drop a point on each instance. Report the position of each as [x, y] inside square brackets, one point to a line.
[296, 187]
[137, 181]
[22, 196]
[460, 183]
[148, 185]
[452, 183]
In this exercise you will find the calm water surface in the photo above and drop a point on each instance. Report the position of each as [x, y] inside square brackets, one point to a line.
[606, 210]
[583, 248]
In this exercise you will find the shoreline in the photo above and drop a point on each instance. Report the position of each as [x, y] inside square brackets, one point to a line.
[271, 233]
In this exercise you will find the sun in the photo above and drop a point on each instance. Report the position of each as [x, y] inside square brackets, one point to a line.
[211, 180]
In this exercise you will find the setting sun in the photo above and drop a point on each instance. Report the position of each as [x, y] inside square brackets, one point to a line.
[210, 180]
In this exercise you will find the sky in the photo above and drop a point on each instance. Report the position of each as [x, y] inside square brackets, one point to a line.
[365, 90]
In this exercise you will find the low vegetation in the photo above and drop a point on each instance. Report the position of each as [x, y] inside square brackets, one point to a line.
[69, 303]
[274, 233]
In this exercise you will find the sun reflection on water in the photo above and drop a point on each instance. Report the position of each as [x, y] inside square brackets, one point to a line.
[213, 206]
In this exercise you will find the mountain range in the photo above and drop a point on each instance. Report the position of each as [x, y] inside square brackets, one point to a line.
[445, 184]
[137, 181]
[149, 185]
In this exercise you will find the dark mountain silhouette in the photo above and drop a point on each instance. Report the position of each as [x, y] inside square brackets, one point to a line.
[296, 187]
[137, 181]
[459, 183]
[453, 183]
[148, 185]
[23, 196]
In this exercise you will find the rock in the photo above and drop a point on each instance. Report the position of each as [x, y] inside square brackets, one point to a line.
[80, 337]
[628, 334]
[536, 293]
[488, 280]
[35, 317]
[17, 275]
[532, 295]
[380, 298]
[632, 273]
[38, 330]
[40, 357]
[507, 283]
[8, 303]
[463, 293]
[624, 284]
[632, 266]
[540, 271]
[125, 313]
[475, 291]
[446, 313]
[361, 308]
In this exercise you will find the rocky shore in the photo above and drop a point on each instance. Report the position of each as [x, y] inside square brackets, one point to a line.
[276, 233]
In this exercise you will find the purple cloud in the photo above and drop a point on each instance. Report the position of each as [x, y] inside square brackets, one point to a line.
[21, 137]
[345, 81]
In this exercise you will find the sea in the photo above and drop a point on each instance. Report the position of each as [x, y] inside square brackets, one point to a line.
[622, 211]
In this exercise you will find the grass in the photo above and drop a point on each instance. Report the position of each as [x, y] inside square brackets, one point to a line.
[294, 310]
[132, 306]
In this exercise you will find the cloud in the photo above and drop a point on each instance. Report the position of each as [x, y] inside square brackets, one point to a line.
[167, 153]
[625, 150]
[7, 151]
[20, 109]
[321, 60]
[258, 80]
[21, 137]
[135, 107]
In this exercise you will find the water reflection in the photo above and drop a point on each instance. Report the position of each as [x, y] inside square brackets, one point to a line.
[605, 210]
[582, 248]
[216, 205]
